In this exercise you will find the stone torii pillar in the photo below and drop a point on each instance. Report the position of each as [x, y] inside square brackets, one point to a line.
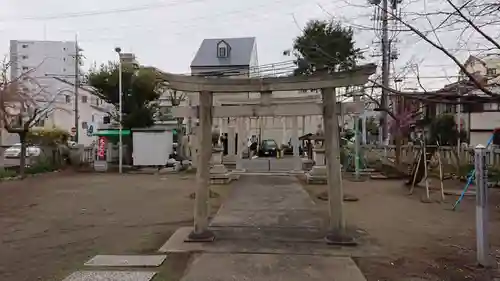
[297, 162]
[201, 232]
[283, 136]
[242, 142]
[231, 144]
[337, 231]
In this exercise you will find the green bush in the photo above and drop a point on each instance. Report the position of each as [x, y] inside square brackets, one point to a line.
[41, 166]
[7, 174]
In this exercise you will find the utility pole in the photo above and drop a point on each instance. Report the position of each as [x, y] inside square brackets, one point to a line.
[118, 50]
[386, 46]
[77, 86]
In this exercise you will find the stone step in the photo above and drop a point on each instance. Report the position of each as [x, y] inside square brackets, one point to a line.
[271, 267]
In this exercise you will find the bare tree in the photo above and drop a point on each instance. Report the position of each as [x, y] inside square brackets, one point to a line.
[22, 108]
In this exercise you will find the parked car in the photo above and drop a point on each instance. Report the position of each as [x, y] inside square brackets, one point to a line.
[268, 148]
[15, 151]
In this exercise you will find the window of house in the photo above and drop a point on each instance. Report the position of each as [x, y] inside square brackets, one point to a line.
[84, 99]
[25, 46]
[24, 57]
[222, 52]
[490, 106]
[67, 98]
[85, 125]
[25, 68]
[491, 71]
[93, 118]
[64, 49]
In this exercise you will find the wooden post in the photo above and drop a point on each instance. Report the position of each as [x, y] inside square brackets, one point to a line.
[337, 233]
[201, 233]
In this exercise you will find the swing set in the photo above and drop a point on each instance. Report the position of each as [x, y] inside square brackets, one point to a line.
[420, 170]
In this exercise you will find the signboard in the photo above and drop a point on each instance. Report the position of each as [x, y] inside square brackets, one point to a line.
[101, 149]
[101, 163]
[90, 130]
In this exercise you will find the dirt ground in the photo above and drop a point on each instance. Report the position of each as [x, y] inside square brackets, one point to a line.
[50, 225]
[419, 241]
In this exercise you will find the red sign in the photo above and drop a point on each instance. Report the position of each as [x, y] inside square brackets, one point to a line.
[101, 148]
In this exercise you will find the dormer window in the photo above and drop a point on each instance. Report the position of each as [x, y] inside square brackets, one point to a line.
[222, 52]
[222, 49]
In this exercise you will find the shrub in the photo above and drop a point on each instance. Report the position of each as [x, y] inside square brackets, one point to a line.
[43, 165]
[7, 174]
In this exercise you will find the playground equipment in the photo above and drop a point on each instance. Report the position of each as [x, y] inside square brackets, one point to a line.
[420, 170]
[472, 173]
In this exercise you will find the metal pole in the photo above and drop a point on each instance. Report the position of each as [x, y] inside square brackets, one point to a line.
[459, 122]
[482, 241]
[356, 141]
[120, 116]
[77, 86]
[385, 66]
[363, 128]
[356, 147]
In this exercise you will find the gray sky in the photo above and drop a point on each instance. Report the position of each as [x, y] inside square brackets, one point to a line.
[167, 33]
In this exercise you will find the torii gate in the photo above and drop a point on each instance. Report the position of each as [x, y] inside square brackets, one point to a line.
[207, 86]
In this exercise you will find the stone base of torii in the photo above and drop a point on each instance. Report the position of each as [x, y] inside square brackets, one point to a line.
[206, 112]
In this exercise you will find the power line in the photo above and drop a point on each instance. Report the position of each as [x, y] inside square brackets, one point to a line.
[100, 12]
[231, 13]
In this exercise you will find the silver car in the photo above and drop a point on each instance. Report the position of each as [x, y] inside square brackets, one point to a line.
[15, 151]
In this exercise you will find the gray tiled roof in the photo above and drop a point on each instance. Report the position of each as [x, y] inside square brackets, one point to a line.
[240, 54]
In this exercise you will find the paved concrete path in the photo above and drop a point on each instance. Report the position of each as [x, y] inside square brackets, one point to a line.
[260, 209]
[264, 164]
[268, 202]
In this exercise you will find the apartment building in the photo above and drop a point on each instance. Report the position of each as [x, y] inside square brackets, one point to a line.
[477, 119]
[482, 119]
[52, 64]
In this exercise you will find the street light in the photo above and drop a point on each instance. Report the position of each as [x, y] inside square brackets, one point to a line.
[118, 50]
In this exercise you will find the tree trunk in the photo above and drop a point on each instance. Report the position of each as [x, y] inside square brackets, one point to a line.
[22, 155]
